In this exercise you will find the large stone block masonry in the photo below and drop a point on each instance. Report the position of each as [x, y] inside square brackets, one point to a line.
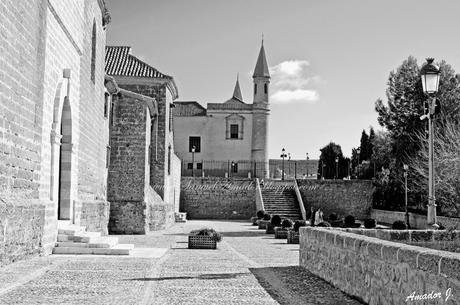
[351, 197]
[218, 198]
[380, 271]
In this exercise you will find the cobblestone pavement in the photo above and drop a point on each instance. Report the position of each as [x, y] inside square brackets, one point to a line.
[249, 267]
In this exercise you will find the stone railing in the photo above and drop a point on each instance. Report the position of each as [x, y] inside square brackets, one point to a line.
[259, 198]
[379, 271]
[300, 201]
[415, 220]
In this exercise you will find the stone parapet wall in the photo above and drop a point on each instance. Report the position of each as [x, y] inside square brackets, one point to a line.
[415, 220]
[350, 197]
[379, 271]
[218, 198]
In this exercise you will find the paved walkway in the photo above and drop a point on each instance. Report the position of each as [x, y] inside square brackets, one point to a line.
[249, 267]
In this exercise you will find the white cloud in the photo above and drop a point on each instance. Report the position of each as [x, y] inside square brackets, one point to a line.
[292, 82]
[291, 96]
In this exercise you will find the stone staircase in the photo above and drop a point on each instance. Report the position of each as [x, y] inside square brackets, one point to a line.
[73, 239]
[279, 198]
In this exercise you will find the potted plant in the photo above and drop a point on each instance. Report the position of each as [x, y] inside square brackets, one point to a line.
[205, 238]
[274, 222]
[335, 221]
[370, 223]
[399, 225]
[264, 221]
[350, 222]
[293, 235]
[260, 214]
[281, 232]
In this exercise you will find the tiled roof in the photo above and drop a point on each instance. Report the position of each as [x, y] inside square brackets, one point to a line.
[234, 105]
[189, 108]
[120, 62]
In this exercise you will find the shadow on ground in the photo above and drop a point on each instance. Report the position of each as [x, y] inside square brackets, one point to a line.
[231, 234]
[214, 276]
[295, 285]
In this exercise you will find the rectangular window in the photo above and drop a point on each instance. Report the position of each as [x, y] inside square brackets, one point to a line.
[234, 131]
[265, 88]
[106, 105]
[255, 89]
[169, 160]
[107, 160]
[189, 166]
[199, 166]
[194, 141]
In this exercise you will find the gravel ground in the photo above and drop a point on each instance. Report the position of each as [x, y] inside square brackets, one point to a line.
[249, 267]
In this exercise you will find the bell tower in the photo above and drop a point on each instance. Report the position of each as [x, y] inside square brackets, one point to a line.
[261, 79]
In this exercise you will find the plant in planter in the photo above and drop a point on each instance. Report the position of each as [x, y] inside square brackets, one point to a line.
[205, 238]
[293, 235]
[335, 221]
[281, 232]
[370, 223]
[259, 215]
[399, 225]
[350, 222]
[274, 222]
[264, 221]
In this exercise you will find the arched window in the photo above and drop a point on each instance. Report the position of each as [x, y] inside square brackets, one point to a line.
[255, 89]
[266, 88]
[93, 54]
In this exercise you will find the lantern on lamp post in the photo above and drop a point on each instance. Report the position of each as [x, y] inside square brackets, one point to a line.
[430, 74]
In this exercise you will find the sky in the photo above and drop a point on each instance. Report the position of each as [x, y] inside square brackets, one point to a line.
[329, 59]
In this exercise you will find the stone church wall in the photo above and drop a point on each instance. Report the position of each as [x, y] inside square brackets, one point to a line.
[41, 39]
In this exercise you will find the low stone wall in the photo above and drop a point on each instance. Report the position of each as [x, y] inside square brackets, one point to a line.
[380, 271]
[94, 215]
[344, 197]
[218, 198]
[21, 231]
[415, 220]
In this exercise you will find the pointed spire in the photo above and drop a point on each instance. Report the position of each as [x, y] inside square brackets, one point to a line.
[261, 69]
[237, 91]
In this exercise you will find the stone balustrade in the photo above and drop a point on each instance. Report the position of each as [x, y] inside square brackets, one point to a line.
[380, 271]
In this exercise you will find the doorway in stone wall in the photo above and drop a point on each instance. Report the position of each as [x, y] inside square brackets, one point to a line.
[65, 164]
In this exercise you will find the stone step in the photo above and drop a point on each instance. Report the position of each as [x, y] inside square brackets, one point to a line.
[102, 242]
[120, 249]
[83, 237]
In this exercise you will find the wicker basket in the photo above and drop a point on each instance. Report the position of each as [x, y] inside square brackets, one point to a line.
[281, 233]
[201, 242]
[292, 237]
[263, 224]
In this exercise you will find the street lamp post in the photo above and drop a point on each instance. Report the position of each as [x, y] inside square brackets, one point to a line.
[283, 155]
[406, 167]
[430, 74]
[289, 164]
[358, 168]
[336, 167]
[308, 158]
[193, 160]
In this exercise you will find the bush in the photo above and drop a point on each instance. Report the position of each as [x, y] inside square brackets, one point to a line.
[267, 216]
[276, 220]
[399, 225]
[333, 217]
[287, 223]
[298, 224]
[216, 236]
[324, 224]
[349, 221]
[260, 214]
[370, 223]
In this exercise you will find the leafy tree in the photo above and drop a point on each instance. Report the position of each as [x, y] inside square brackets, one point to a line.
[364, 147]
[329, 154]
